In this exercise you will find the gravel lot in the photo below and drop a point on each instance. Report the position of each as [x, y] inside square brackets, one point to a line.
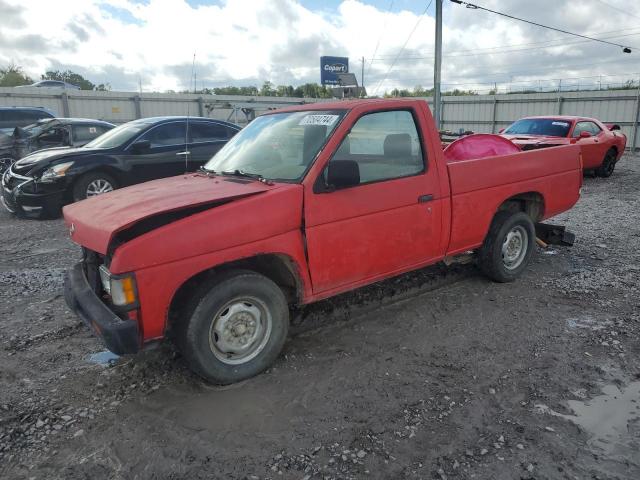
[436, 374]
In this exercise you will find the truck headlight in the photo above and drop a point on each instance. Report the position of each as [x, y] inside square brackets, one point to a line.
[55, 172]
[122, 288]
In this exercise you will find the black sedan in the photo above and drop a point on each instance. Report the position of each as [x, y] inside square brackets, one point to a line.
[146, 149]
[48, 133]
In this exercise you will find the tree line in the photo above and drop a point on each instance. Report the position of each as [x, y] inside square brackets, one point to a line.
[13, 76]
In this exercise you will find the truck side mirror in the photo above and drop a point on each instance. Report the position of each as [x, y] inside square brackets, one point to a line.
[141, 146]
[584, 134]
[343, 174]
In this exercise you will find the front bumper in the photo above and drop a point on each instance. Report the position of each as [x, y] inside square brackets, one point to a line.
[120, 336]
[18, 196]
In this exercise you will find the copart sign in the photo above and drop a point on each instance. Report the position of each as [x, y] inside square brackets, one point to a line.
[329, 66]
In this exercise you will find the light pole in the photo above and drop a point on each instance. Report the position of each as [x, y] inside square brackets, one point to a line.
[437, 106]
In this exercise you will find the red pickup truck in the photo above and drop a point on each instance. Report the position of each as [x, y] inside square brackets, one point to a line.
[301, 205]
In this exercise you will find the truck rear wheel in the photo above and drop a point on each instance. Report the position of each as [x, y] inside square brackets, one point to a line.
[237, 328]
[508, 246]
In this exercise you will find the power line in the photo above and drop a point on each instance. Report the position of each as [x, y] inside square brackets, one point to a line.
[479, 52]
[617, 9]
[403, 46]
[625, 75]
[472, 6]
[384, 28]
[525, 73]
[562, 42]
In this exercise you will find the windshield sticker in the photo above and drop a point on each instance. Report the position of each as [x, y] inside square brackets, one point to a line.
[327, 120]
[92, 129]
[562, 124]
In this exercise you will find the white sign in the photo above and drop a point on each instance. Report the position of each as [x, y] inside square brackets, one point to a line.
[327, 120]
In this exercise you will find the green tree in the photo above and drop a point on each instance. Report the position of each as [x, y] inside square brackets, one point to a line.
[69, 77]
[267, 89]
[285, 91]
[13, 76]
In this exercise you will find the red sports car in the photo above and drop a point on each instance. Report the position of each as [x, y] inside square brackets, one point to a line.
[602, 144]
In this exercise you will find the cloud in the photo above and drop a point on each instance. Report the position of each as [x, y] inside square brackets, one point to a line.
[12, 14]
[281, 40]
[80, 33]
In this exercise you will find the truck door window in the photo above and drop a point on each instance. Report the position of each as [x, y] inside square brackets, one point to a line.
[385, 145]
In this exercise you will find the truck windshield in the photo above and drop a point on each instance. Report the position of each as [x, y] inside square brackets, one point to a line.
[551, 127]
[117, 136]
[281, 146]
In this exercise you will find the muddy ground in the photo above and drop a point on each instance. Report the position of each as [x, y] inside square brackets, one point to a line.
[436, 374]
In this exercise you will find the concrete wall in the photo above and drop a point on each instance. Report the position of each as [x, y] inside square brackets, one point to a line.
[481, 113]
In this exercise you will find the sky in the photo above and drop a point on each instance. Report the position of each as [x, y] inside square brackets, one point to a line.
[152, 43]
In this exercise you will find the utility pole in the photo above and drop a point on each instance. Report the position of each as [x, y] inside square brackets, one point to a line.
[362, 78]
[436, 67]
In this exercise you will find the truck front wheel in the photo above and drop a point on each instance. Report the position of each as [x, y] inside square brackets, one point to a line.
[507, 249]
[237, 327]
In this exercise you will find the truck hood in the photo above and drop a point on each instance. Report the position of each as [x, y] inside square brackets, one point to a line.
[93, 223]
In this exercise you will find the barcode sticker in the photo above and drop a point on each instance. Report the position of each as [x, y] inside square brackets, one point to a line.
[327, 120]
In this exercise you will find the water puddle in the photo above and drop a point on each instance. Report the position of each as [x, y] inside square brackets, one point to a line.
[612, 419]
[103, 358]
[588, 321]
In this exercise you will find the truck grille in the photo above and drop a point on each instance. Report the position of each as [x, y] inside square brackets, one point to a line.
[91, 262]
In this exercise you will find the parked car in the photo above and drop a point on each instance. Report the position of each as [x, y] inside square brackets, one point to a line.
[303, 204]
[51, 84]
[48, 133]
[602, 145]
[146, 149]
[12, 117]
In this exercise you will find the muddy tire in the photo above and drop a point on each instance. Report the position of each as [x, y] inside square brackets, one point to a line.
[93, 184]
[234, 327]
[608, 164]
[508, 246]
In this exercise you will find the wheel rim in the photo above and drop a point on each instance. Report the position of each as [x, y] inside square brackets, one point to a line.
[98, 187]
[610, 165]
[514, 247]
[240, 330]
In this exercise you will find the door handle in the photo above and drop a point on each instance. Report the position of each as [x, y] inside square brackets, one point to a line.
[425, 198]
[183, 153]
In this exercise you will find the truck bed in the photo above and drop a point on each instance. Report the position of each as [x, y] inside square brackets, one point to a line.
[479, 186]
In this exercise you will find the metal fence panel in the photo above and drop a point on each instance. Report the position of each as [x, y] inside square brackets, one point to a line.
[479, 113]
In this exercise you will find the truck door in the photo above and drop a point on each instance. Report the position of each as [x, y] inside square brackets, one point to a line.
[386, 221]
